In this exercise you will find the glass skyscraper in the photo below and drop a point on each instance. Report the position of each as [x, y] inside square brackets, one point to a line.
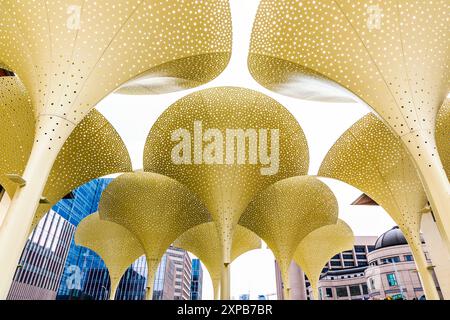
[85, 202]
[85, 275]
[48, 265]
[53, 267]
[197, 280]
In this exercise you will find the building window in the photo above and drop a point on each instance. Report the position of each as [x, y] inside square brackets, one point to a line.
[371, 248]
[392, 280]
[335, 263]
[341, 292]
[329, 292]
[347, 256]
[409, 257]
[355, 291]
[372, 284]
[364, 289]
[337, 256]
[361, 256]
[390, 260]
[360, 249]
[349, 263]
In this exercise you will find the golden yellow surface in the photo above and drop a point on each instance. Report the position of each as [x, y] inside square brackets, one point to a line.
[16, 130]
[226, 189]
[318, 247]
[371, 158]
[155, 208]
[70, 54]
[94, 149]
[443, 135]
[117, 246]
[286, 212]
[390, 54]
[203, 241]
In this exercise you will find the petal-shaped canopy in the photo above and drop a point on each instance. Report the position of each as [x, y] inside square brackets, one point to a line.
[70, 54]
[286, 212]
[16, 130]
[371, 158]
[392, 55]
[155, 208]
[204, 242]
[388, 53]
[243, 141]
[318, 247]
[94, 149]
[443, 135]
[117, 246]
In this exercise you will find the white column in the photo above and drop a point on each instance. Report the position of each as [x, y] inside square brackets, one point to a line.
[439, 255]
[51, 134]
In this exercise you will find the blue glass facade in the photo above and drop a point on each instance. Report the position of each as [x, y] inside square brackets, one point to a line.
[196, 280]
[85, 275]
[74, 281]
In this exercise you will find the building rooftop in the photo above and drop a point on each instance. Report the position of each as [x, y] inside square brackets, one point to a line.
[345, 271]
[392, 237]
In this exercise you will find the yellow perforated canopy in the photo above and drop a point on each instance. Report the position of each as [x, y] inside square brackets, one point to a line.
[155, 208]
[226, 179]
[70, 54]
[286, 212]
[443, 135]
[94, 149]
[318, 247]
[204, 242]
[391, 54]
[16, 130]
[371, 158]
[117, 246]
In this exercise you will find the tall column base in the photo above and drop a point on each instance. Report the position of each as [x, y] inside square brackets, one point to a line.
[216, 288]
[15, 229]
[440, 258]
[422, 148]
[425, 274]
[114, 287]
[225, 282]
[5, 201]
[152, 266]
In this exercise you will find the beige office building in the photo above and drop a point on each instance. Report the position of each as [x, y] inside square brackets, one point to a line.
[183, 271]
[392, 272]
[355, 258]
[376, 268]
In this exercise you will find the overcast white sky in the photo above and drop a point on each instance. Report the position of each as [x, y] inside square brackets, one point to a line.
[323, 123]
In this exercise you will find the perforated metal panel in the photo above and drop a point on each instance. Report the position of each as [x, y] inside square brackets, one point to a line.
[286, 212]
[94, 149]
[203, 241]
[70, 54]
[443, 135]
[392, 55]
[319, 246]
[117, 246]
[155, 208]
[371, 158]
[16, 130]
[226, 187]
